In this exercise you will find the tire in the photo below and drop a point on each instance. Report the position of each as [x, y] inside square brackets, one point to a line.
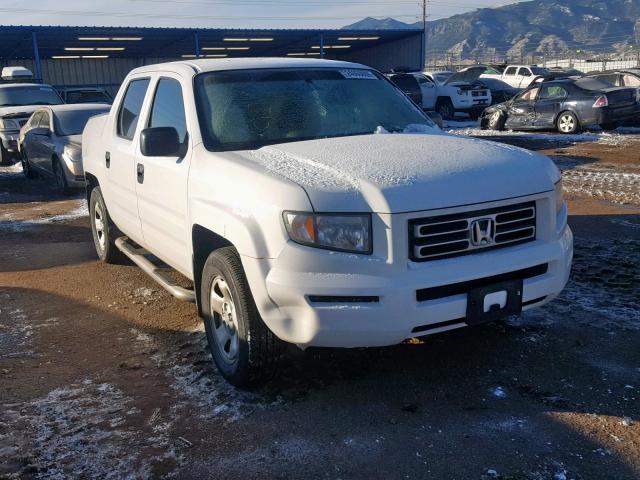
[445, 108]
[567, 123]
[28, 171]
[61, 178]
[496, 120]
[103, 230]
[245, 351]
[5, 158]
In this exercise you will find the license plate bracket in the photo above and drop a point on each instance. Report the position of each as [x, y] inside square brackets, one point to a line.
[493, 296]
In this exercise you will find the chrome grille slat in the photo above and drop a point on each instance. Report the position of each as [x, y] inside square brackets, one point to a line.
[428, 237]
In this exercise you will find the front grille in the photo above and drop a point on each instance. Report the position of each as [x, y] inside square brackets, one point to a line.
[479, 93]
[22, 121]
[445, 236]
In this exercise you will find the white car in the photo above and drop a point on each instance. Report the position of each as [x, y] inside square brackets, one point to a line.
[459, 92]
[18, 101]
[305, 213]
[518, 76]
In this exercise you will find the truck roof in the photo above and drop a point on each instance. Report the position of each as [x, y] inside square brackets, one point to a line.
[221, 64]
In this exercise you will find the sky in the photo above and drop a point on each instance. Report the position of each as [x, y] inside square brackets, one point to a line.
[226, 13]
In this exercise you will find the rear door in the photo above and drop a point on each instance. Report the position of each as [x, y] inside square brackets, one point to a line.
[120, 158]
[162, 188]
[549, 104]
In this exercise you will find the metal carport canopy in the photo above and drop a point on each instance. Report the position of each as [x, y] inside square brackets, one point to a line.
[61, 42]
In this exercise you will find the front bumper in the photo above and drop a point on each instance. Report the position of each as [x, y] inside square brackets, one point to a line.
[287, 296]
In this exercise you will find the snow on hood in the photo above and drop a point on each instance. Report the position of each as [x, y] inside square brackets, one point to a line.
[466, 75]
[403, 172]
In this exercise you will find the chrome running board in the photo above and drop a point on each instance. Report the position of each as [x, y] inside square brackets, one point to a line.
[137, 256]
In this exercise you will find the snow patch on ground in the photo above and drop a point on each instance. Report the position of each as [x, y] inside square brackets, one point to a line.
[85, 431]
[617, 187]
[8, 223]
[16, 330]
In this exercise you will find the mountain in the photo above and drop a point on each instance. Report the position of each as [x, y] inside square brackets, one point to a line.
[534, 28]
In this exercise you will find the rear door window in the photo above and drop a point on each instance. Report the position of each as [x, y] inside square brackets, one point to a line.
[407, 83]
[553, 92]
[129, 113]
[511, 71]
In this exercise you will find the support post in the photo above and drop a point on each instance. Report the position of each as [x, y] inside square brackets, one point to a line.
[36, 56]
[196, 41]
[321, 45]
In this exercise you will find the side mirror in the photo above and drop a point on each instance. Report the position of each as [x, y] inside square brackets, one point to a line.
[160, 142]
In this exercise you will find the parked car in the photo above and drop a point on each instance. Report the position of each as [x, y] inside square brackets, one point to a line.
[565, 105]
[620, 78]
[304, 212]
[459, 92]
[85, 95]
[518, 76]
[500, 91]
[18, 101]
[51, 143]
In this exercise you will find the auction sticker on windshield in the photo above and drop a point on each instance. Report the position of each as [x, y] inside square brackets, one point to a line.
[359, 74]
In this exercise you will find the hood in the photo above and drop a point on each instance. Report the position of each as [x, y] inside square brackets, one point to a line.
[406, 172]
[466, 75]
[75, 140]
[21, 111]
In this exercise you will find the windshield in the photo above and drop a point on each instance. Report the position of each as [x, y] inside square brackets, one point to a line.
[73, 122]
[89, 96]
[442, 76]
[539, 71]
[34, 95]
[248, 109]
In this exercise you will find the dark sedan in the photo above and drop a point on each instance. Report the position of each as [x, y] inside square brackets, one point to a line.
[566, 105]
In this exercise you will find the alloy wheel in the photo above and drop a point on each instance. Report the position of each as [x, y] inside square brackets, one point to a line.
[225, 320]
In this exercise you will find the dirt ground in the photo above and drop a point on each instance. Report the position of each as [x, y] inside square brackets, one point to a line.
[104, 375]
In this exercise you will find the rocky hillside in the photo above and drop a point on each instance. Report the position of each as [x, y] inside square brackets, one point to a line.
[539, 27]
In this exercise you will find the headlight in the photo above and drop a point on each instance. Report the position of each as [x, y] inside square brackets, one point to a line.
[72, 152]
[341, 232]
[559, 194]
[8, 124]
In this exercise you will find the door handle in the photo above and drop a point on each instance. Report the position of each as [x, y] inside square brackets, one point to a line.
[140, 172]
[107, 159]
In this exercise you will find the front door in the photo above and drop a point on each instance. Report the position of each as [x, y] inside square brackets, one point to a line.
[521, 111]
[162, 187]
[120, 160]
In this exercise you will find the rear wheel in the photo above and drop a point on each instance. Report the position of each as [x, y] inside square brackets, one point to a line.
[245, 351]
[103, 229]
[568, 123]
[445, 109]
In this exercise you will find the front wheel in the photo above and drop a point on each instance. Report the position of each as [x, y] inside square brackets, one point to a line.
[61, 178]
[568, 123]
[245, 351]
[496, 120]
[5, 158]
[27, 169]
[445, 109]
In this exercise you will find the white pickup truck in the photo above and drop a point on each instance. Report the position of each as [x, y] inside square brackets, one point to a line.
[518, 76]
[311, 202]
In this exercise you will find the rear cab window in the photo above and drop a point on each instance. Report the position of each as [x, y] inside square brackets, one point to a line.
[130, 108]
